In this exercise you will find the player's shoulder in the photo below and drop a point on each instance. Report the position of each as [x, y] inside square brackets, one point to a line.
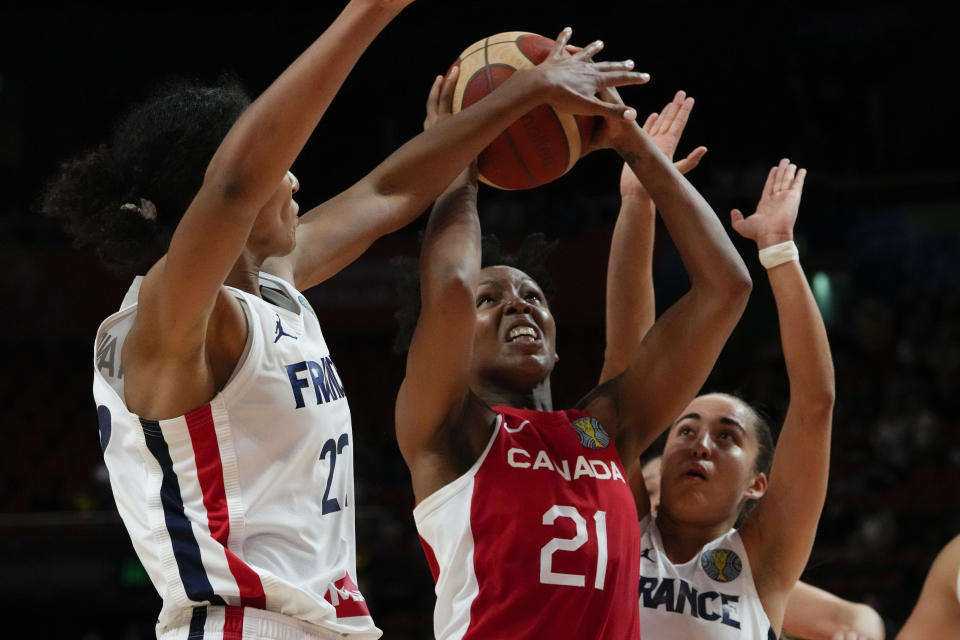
[946, 566]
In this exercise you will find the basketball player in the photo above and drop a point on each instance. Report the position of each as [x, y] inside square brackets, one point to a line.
[700, 577]
[811, 613]
[526, 516]
[937, 612]
[223, 420]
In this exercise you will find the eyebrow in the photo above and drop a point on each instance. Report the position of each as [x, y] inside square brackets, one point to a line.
[735, 423]
[499, 283]
[723, 420]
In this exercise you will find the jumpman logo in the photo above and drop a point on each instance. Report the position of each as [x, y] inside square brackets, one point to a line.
[645, 553]
[281, 332]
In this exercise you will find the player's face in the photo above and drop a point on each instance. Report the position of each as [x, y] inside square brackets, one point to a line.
[707, 468]
[274, 232]
[515, 339]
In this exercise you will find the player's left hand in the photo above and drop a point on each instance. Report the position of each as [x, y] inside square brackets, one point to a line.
[608, 130]
[777, 210]
[665, 130]
[440, 99]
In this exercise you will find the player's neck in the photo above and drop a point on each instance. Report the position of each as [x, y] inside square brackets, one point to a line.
[539, 398]
[245, 274]
[682, 540]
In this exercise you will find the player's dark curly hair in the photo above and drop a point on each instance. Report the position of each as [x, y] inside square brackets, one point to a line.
[531, 258]
[126, 197]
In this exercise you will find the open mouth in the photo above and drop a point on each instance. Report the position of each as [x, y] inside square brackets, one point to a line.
[694, 472]
[522, 334]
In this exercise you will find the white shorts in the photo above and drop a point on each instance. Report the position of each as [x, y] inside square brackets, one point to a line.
[241, 623]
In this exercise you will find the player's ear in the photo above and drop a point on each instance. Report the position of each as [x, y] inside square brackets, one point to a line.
[757, 487]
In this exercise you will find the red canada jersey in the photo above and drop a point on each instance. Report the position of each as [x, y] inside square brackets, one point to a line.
[539, 539]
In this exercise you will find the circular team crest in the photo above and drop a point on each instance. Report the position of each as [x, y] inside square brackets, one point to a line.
[591, 433]
[723, 565]
[306, 304]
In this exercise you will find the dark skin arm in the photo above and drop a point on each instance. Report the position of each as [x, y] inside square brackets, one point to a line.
[188, 332]
[630, 306]
[435, 406]
[642, 401]
[336, 232]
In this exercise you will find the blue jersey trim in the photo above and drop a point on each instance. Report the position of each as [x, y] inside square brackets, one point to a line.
[197, 620]
[186, 551]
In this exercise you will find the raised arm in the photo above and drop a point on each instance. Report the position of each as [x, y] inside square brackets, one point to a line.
[630, 302]
[246, 170]
[779, 533]
[673, 360]
[438, 361]
[815, 614]
[402, 186]
[937, 612]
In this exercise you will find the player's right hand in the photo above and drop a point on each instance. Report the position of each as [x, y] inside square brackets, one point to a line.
[571, 81]
[776, 212]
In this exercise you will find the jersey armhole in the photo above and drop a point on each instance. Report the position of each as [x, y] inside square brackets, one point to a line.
[437, 499]
[242, 372]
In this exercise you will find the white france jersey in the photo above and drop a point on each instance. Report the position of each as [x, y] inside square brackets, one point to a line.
[247, 501]
[710, 597]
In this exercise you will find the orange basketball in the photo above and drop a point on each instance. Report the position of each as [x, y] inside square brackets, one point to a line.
[543, 144]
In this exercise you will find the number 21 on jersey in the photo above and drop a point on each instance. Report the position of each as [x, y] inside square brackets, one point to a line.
[547, 574]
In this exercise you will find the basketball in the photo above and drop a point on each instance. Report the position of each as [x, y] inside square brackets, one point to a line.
[543, 144]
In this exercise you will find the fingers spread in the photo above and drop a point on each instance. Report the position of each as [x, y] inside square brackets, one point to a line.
[768, 185]
[798, 183]
[623, 78]
[789, 175]
[688, 164]
[781, 169]
[561, 41]
[681, 116]
[736, 218]
[696, 155]
[623, 65]
[590, 50]
[650, 123]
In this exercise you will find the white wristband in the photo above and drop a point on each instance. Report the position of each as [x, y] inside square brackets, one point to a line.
[777, 254]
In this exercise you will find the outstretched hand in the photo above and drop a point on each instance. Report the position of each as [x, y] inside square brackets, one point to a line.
[665, 130]
[776, 213]
[440, 99]
[440, 107]
[573, 80]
